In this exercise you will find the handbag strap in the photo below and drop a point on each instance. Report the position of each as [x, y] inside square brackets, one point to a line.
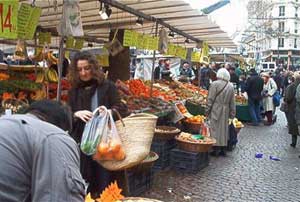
[218, 93]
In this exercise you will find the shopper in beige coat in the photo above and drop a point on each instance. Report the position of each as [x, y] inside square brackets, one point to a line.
[221, 107]
[269, 89]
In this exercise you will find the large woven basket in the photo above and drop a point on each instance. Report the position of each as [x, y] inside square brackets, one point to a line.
[165, 132]
[136, 135]
[194, 147]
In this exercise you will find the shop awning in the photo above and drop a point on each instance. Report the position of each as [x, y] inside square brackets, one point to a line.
[176, 13]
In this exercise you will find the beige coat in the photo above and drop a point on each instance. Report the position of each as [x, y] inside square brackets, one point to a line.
[271, 88]
[222, 110]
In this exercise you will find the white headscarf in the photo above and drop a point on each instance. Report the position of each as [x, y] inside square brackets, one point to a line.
[223, 74]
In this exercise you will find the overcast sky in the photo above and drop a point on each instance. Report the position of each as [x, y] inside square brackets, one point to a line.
[231, 18]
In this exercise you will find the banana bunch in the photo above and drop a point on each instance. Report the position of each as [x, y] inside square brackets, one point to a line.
[40, 77]
[40, 55]
[38, 95]
[51, 59]
[51, 75]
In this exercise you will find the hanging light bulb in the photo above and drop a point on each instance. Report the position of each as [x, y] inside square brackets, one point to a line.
[105, 11]
[140, 21]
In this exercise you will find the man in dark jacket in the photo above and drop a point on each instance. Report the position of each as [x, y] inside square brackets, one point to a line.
[254, 87]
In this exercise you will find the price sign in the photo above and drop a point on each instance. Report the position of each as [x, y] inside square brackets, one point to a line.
[103, 60]
[79, 44]
[196, 56]
[28, 18]
[8, 18]
[153, 43]
[70, 42]
[127, 39]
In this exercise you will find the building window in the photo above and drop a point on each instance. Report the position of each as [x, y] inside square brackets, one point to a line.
[296, 28]
[281, 26]
[295, 43]
[281, 10]
[281, 42]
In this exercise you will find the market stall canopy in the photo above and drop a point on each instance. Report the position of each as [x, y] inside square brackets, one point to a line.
[177, 13]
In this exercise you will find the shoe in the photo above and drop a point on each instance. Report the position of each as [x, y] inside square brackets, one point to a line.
[222, 153]
[293, 145]
[266, 123]
[213, 153]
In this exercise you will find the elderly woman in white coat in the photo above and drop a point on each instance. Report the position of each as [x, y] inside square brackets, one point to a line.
[269, 89]
[220, 107]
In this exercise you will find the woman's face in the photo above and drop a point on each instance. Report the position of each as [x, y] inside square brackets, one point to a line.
[84, 70]
[266, 79]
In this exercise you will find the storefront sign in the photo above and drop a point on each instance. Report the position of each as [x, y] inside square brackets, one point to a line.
[28, 18]
[8, 15]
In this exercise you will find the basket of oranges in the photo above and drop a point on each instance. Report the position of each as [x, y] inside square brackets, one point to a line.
[194, 124]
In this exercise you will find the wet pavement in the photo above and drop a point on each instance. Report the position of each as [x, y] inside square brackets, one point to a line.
[240, 176]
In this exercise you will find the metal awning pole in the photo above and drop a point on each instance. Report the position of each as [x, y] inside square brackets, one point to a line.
[153, 62]
[59, 67]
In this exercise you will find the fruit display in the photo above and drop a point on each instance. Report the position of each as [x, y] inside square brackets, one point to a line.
[51, 75]
[240, 100]
[14, 104]
[199, 119]
[199, 139]
[4, 76]
[181, 108]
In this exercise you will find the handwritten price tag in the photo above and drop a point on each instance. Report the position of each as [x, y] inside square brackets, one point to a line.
[8, 18]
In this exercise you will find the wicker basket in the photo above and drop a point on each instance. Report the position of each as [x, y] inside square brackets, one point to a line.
[194, 128]
[169, 132]
[147, 163]
[136, 135]
[139, 199]
[194, 147]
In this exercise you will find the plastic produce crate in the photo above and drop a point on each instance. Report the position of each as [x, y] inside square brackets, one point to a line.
[162, 148]
[189, 162]
[135, 183]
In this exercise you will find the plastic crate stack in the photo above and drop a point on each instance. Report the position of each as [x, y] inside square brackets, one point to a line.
[189, 162]
[138, 182]
[163, 149]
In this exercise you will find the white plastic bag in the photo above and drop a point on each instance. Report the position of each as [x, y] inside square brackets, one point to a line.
[110, 144]
[70, 23]
[93, 131]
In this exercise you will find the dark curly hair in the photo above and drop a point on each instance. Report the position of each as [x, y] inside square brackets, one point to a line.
[97, 73]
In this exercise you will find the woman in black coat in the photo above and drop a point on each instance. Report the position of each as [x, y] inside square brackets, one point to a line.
[90, 90]
[290, 100]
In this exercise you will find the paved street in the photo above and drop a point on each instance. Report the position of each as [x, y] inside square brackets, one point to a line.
[240, 176]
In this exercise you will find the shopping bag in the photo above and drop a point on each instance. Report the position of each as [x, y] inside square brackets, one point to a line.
[205, 130]
[110, 145]
[276, 98]
[93, 131]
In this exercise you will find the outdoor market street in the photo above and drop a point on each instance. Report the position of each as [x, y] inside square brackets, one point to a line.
[240, 176]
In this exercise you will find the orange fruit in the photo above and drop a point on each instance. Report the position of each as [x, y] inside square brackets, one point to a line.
[115, 146]
[97, 156]
[103, 148]
[120, 155]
